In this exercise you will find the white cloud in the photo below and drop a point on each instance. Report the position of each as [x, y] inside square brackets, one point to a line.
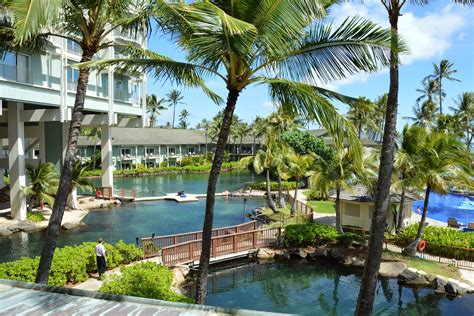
[267, 104]
[428, 36]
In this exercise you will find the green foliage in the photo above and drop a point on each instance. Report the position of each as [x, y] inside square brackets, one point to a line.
[146, 279]
[194, 161]
[35, 216]
[308, 234]
[70, 263]
[439, 239]
[129, 252]
[348, 239]
[6, 180]
[304, 143]
[285, 185]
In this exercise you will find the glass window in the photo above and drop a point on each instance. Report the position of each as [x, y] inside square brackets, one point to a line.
[353, 210]
[126, 152]
[73, 47]
[171, 151]
[191, 150]
[150, 151]
[72, 76]
[15, 67]
[118, 89]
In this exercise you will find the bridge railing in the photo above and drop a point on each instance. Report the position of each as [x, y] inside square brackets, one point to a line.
[220, 245]
[151, 245]
[301, 208]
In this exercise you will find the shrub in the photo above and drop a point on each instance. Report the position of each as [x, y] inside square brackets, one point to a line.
[129, 252]
[146, 279]
[35, 216]
[308, 234]
[285, 185]
[348, 239]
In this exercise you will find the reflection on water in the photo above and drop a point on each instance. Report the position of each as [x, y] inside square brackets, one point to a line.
[320, 289]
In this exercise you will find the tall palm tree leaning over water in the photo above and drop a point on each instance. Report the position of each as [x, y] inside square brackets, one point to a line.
[88, 23]
[281, 44]
[366, 297]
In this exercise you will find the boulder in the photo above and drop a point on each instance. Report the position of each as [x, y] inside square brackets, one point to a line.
[71, 225]
[265, 253]
[357, 262]
[299, 253]
[451, 288]
[440, 284]
[179, 276]
[321, 252]
[30, 227]
[412, 278]
[282, 254]
[309, 250]
[391, 269]
[337, 254]
[5, 231]
[348, 260]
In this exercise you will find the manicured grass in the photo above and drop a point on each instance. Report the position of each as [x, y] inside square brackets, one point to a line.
[283, 217]
[429, 267]
[326, 207]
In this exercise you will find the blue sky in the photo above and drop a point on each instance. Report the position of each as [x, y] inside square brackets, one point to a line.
[439, 31]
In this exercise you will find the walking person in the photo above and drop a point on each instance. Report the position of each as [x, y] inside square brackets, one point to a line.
[101, 257]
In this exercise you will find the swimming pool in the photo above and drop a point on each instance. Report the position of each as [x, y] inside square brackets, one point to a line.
[441, 207]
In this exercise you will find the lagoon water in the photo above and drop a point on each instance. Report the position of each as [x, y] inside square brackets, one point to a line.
[133, 220]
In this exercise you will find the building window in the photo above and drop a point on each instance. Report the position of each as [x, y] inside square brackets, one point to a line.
[150, 164]
[73, 47]
[72, 76]
[118, 89]
[352, 210]
[171, 151]
[15, 67]
[191, 150]
[126, 165]
[36, 153]
[126, 152]
[246, 149]
[150, 151]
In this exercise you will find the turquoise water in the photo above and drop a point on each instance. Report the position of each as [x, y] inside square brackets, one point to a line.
[441, 207]
[133, 220]
[309, 288]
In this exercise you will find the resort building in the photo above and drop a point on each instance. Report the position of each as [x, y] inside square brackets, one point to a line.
[152, 147]
[357, 207]
[37, 94]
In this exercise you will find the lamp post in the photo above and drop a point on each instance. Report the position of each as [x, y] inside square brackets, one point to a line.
[245, 210]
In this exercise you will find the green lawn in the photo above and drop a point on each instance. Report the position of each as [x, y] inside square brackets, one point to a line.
[429, 267]
[326, 207]
[282, 217]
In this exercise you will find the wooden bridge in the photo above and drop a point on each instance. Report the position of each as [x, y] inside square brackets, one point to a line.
[186, 248]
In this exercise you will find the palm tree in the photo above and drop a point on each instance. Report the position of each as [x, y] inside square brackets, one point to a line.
[430, 91]
[154, 106]
[174, 98]
[43, 183]
[425, 114]
[464, 115]
[366, 297]
[296, 167]
[79, 181]
[441, 162]
[361, 115]
[205, 125]
[94, 133]
[405, 163]
[87, 23]
[245, 43]
[183, 119]
[443, 71]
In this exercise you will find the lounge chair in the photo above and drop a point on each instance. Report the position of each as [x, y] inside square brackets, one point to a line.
[452, 222]
[470, 225]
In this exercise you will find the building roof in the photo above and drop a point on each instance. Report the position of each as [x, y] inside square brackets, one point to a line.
[360, 193]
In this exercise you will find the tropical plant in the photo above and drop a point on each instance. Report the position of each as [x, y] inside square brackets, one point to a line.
[275, 43]
[205, 125]
[425, 114]
[361, 115]
[174, 98]
[242, 130]
[296, 167]
[79, 181]
[87, 23]
[183, 119]
[42, 184]
[441, 162]
[443, 71]
[464, 116]
[154, 106]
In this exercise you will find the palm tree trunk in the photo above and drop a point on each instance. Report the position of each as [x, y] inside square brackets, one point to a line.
[295, 199]
[174, 113]
[271, 203]
[94, 154]
[440, 92]
[410, 250]
[54, 225]
[367, 290]
[240, 147]
[281, 198]
[338, 210]
[401, 212]
[360, 130]
[203, 271]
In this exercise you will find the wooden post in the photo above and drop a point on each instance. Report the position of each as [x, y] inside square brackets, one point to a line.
[234, 243]
[254, 239]
[174, 240]
[213, 248]
[143, 249]
[190, 251]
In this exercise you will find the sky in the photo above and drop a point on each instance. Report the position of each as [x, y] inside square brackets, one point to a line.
[441, 30]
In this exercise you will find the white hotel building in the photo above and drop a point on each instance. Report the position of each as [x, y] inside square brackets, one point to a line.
[37, 93]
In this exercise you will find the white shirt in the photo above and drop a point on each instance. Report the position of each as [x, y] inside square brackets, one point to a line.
[100, 250]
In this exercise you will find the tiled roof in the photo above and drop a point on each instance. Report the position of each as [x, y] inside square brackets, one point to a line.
[360, 193]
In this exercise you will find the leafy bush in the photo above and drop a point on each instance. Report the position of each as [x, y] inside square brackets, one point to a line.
[146, 279]
[285, 185]
[439, 239]
[348, 239]
[35, 216]
[308, 234]
[70, 263]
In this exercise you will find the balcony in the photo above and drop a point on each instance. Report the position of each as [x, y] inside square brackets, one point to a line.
[15, 73]
[128, 36]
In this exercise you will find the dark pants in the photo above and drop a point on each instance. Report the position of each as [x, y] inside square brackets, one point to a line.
[101, 265]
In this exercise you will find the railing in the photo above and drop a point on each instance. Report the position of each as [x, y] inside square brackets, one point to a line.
[220, 245]
[301, 208]
[106, 193]
[123, 194]
[151, 245]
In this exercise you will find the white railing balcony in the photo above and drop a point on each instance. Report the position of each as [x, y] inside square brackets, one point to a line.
[15, 73]
[129, 36]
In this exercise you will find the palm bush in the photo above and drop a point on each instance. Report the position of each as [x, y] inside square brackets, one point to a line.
[79, 181]
[43, 183]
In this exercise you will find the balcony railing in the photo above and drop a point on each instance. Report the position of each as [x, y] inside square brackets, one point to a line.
[15, 73]
[128, 36]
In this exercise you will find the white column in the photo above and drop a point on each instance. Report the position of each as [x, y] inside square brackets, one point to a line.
[111, 114]
[16, 160]
[42, 142]
[106, 155]
[143, 103]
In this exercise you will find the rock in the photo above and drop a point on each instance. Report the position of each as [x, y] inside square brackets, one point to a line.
[410, 277]
[82, 202]
[347, 261]
[91, 199]
[309, 250]
[71, 225]
[358, 262]
[337, 254]
[30, 227]
[5, 232]
[451, 288]
[265, 253]
[440, 284]
[179, 276]
[118, 202]
[282, 254]
[391, 269]
[321, 252]
[299, 253]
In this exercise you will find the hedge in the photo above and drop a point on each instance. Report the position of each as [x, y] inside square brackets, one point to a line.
[439, 239]
[70, 263]
[316, 234]
[146, 279]
[285, 185]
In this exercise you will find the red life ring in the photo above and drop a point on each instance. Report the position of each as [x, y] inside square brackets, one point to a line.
[421, 246]
[98, 193]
